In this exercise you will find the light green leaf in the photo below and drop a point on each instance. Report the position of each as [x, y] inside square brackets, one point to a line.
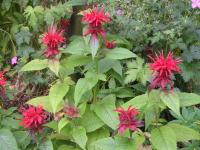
[41, 101]
[35, 64]
[172, 101]
[104, 144]
[56, 94]
[137, 102]
[163, 138]
[88, 119]
[47, 145]
[188, 99]
[67, 147]
[105, 111]
[120, 53]
[7, 140]
[62, 123]
[184, 133]
[54, 65]
[79, 136]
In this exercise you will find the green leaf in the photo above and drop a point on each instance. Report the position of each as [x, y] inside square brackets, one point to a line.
[6, 4]
[24, 36]
[56, 94]
[163, 138]
[75, 60]
[41, 101]
[7, 140]
[188, 99]
[47, 145]
[105, 111]
[104, 144]
[54, 65]
[184, 133]
[62, 123]
[172, 101]
[137, 102]
[120, 53]
[67, 147]
[35, 64]
[95, 136]
[23, 139]
[83, 85]
[94, 45]
[79, 136]
[88, 119]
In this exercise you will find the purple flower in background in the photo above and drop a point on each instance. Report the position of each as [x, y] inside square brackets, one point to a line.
[195, 3]
[119, 12]
[14, 60]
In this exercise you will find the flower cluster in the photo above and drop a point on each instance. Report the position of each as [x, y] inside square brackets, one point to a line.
[110, 45]
[2, 79]
[95, 19]
[71, 111]
[195, 3]
[33, 118]
[163, 70]
[52, 39]
[128, 119]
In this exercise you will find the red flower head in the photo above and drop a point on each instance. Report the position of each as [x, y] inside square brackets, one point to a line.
[71, 111]
[33, 118]
[52, 39]
[127, 119]
[163, 69]
[64, 24]
[95, 32]
[96, 17]
[2, 79]
[110, 45]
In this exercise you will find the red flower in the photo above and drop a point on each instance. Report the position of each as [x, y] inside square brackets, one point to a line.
[96, 17]
[52, 39]
[127, 119]
[163, 70]
[2, 79]
[95, 32]
[110, 45]
[33, 118]
[64, 24]
[71, 111]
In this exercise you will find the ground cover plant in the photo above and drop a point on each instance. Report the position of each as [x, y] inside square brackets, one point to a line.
[99, 75]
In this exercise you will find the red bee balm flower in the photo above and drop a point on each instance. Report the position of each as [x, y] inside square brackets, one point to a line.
[127, 119]
[110, 45]
[33, 118]
[163, 70]
[2, 79]
[96, 17]
[52, 39]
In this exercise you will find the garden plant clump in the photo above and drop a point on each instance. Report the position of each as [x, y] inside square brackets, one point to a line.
[100, 75]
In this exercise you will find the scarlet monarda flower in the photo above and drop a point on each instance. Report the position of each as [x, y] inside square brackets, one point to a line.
[33, 118]
[127, 119]
[95, 19]
[163, 70]
[52, 39]
[110, 45]
[2, 79]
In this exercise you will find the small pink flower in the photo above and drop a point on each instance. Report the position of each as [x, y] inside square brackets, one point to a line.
[14, 60]
[128, 119]
[119, 12]
[195, 3]
[71, 111]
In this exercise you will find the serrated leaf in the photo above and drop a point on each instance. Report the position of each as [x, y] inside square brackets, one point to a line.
[184, 133]
[105, 111]
[163, 138]
[188, 99]
[54, 65]
[120, 53]
[41, 101]
[79, 136]
[35, 64]
[172, 101]
[88, 119]
[47, 145]
[56, 94]
[7, 140]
